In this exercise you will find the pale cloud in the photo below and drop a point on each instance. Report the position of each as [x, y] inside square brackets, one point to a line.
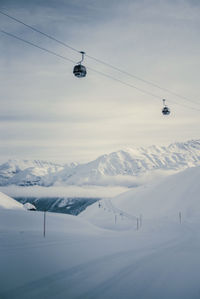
[64, 191]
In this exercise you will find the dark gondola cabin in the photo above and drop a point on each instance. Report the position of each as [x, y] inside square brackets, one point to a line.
[165, 110]
[79, 71]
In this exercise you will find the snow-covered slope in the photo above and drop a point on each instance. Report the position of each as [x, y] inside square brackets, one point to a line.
[117, 168]
[174, 196]
[79, 260]
[177, 193]
[7, 202]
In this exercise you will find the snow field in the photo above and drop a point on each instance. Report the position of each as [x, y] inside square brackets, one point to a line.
[93, 257]
[82, 261]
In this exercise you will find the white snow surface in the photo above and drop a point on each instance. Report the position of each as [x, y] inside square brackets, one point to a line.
[165, 199]
[126, 167]
[98, 256]
[178, 193]
[7, 202]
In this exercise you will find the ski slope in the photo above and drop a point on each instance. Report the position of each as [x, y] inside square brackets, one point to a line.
[164, 199]
[81, 258]
[7, 202]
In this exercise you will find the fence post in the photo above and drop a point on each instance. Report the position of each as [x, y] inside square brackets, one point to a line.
[140, 220]
[180, 217]
[44, 228]
[137, 223]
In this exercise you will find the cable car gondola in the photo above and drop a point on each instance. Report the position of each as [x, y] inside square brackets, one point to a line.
[165, 110]
[79, 69]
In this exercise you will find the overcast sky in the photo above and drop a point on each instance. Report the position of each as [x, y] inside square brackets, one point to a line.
[46, 113]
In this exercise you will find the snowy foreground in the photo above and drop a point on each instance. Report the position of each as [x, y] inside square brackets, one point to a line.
[101, 253]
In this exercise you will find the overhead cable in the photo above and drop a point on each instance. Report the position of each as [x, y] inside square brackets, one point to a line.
[92, 69]
[101, 61]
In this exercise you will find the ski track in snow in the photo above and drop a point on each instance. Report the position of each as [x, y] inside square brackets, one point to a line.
[110, 272]
[82, 272]
[105, 289]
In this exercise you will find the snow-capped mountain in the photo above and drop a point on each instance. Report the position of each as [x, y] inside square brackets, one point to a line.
[135, 162]
[105, 170]
[29, 173]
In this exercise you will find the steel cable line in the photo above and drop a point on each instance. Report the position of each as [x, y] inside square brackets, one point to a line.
[38, 31]
[142, 80]
[36, 46]
[65, 58]
[92, 69]
[101, 61]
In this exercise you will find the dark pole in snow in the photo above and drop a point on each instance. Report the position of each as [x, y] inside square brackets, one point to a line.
[115, 219]
[137, 223]
[140, 220]
[44, 230]
[180, 217]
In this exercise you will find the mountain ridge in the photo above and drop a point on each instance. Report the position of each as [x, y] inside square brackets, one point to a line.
[129, 162]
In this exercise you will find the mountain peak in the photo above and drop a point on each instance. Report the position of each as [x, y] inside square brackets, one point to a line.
[105, 169]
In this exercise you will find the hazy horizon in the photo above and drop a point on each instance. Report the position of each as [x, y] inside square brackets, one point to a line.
[92, 159]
